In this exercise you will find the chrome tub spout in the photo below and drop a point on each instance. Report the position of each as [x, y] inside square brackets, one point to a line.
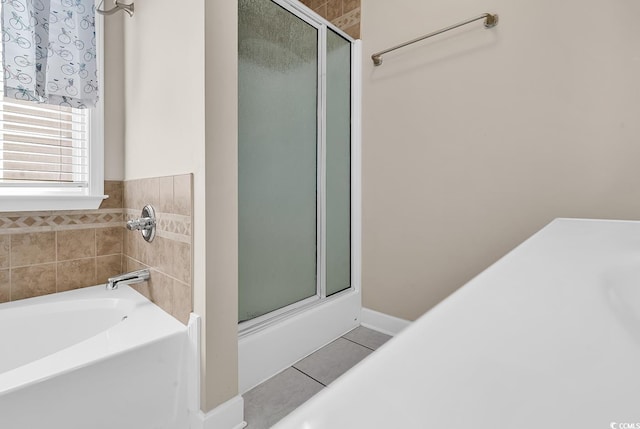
[128, 279]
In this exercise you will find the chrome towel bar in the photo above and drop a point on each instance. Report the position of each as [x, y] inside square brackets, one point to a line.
[491, 20]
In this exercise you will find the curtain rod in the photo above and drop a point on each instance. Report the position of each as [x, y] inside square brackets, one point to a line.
[491, 20]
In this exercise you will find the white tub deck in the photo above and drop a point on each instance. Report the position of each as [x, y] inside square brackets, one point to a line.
[548, 337]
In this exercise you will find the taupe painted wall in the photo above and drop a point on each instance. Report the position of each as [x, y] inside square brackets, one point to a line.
[114, 98]
[169, 65]
[221, 138]
[475, 139]
[164, 82]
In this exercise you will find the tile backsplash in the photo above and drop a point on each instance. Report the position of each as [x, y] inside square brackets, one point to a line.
[48, 252]
[55, 251]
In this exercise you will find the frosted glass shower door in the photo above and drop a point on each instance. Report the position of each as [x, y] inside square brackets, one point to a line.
[278, 158]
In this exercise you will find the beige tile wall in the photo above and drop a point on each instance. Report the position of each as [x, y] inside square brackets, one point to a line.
[344, 14]
[169, 255]
[47, 252]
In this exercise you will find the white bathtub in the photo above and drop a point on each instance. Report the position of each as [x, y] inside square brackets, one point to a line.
[92, 358]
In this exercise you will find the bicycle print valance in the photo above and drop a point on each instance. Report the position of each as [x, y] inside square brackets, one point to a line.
[49, 51]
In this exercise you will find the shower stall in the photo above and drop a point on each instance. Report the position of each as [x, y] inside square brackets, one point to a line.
[298, 184]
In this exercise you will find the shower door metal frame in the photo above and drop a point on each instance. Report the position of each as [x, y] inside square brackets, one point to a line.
[261, 322]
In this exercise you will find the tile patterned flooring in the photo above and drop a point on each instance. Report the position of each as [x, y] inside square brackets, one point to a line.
[269, 402]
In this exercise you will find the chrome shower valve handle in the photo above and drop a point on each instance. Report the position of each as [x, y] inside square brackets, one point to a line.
[146, 224]
[140, 223]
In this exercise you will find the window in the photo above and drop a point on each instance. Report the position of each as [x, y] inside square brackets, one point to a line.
[51, 157]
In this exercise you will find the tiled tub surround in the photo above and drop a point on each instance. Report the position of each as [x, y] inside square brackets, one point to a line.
[344, 14]
[47, 252]
[169, 255]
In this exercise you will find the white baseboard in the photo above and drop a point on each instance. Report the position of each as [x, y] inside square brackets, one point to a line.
[265, 353]
[381, 322]
[229, 415]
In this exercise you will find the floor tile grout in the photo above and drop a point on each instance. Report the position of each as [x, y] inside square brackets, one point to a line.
[362, 345]
[302, 372]
[262, 418]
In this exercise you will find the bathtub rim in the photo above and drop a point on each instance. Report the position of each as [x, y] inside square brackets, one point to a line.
[145, 324]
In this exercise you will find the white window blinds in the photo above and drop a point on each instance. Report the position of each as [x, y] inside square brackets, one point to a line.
[43, 145]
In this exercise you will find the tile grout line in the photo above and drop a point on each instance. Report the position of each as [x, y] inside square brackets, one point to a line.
[10, 267]
[355, 342]
[157, 270]
[55, 257]
[95, 252]
[304, 373]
